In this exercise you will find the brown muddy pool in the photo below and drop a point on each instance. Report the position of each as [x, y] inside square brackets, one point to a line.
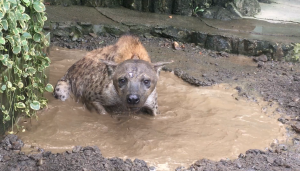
[195, 123]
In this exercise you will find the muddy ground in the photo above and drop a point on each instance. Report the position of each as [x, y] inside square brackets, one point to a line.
[274, 81]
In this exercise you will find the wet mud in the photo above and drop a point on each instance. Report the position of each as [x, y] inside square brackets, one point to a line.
[275, 82]
[195, 122]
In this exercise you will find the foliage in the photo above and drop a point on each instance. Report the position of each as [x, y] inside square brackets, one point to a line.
[204, 6]
[296, 52]
[22, 61]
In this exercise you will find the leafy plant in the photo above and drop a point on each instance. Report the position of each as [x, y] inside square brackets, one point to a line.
[22, 60]
[296, 52]
[204, 6]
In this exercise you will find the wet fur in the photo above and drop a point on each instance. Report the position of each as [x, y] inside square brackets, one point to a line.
[88, 79]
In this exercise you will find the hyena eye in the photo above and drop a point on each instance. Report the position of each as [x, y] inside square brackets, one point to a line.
[147, 82]
[122, 81]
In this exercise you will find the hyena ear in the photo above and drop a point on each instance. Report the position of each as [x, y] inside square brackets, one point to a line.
[110, 65]
[159, 65]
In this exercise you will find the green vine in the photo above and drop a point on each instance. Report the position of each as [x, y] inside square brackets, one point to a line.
[22, 60]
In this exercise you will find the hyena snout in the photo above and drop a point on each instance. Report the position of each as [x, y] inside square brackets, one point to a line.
[133, 99]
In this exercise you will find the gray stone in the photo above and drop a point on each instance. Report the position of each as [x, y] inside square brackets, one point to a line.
[98, 29]
[218, 43]
[116, 29]
[199, 38]
[219, 13]
[139, 29]
[182, 7]
[247, 7]
[163, 6]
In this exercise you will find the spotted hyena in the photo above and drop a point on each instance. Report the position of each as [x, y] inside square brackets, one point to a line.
[117, 78]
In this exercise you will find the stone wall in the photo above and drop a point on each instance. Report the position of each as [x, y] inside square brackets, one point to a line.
[180, 7]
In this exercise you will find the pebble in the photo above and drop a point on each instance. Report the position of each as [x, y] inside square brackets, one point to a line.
[176, 46]
[296, 127]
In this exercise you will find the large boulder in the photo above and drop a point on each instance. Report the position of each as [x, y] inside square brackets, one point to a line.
[247, 7]
[220, 13]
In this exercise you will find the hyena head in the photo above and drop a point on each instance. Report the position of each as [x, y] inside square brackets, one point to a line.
[134, 80]
[62, 90]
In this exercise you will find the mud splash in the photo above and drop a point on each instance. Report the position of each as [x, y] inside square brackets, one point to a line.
[194, 123]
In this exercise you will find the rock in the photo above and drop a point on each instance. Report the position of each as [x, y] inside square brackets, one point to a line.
[283, 147]
[163, 6]
[218, 43]
[247, 7]
[116, 30]
[270, 160]
[260, 64]
[182, 7]
[217, 12]
[283, 120]
[262, 58]
[76, 149]
[152, 168]
[93, 35]
[176, 46]
[296, 78]
[296, 127]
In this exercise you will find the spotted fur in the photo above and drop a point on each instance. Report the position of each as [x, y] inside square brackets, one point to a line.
[94, 78]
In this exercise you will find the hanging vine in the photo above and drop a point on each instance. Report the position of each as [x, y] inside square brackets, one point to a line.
[22, 60]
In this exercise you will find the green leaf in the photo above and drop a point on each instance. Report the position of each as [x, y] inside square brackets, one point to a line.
[24, 42]
[27, 2]
[4, 24]
[3, 87]
[25, 48]
[15, 31]
[7, 117]
[35, 105]
[10, 39]
[45, 18]
[22, 24]
[39, 6]
[16, 49]
[26, 35]
[26, 57]
[25, 17]
[2, 40]
[20, 105]
[22, 97]
[1, 14]
[37, 37]
[49, 88]
[6, 6]
[2, 57]
[9, 84]
[20, 84]
[30, 70]
[47, 39]
[12, 1]
[21, 8]
[38, 28]
[9, 64]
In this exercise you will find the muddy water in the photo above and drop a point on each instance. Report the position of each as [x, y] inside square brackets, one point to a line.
[194, 123]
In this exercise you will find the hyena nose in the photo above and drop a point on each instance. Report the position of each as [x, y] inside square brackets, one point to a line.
[133, 99]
